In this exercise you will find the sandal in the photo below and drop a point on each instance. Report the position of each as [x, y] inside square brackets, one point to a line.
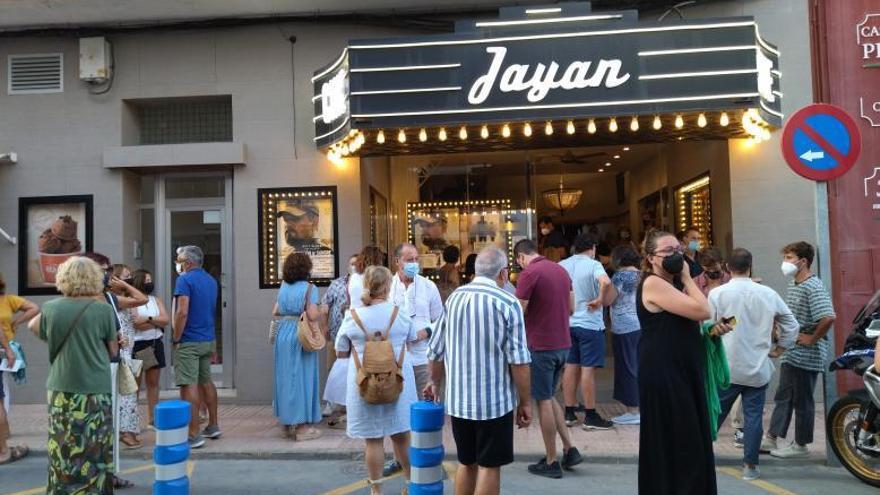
[121, 484]
[338, 423]
[16, 453]
[131, 443]
[309, 434]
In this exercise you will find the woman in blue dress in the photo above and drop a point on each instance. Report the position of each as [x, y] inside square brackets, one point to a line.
[297, 400]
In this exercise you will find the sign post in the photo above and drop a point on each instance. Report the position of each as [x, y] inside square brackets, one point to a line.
[822, 142]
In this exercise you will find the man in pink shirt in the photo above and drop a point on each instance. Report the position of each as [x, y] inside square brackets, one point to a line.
[544, 289]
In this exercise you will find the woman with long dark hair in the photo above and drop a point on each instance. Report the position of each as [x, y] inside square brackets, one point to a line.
[675, 440]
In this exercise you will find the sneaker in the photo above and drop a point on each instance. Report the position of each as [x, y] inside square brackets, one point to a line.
[196, 442]
[212, 432]
[596, 422]
[571, 458]
[793, 451]
[751, 473]
[546, 470]
[571, 418]
[738, 438]
[768, 445]
[628, 419]
[390, 468]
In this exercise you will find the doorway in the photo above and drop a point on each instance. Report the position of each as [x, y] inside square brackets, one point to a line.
[196, 209]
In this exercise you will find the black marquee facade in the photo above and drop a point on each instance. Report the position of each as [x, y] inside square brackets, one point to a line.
[561, 65]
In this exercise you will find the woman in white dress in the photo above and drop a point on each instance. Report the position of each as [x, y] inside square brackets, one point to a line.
[375, 422]
[129, 418]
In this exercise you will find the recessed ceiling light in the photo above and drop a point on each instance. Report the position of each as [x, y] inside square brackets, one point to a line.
[616, 157]
[601, 170]
[626, 148]
[607, 164]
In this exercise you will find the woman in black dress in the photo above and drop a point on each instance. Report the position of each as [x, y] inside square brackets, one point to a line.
[675, 443]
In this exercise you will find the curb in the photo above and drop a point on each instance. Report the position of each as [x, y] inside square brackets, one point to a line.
[358, 455]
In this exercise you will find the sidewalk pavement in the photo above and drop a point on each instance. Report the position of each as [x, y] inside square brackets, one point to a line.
[251, 431]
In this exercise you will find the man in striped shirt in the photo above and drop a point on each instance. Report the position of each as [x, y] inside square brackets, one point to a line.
[811, 305]
[479, 348]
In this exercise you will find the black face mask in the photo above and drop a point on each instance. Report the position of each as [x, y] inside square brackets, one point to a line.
[106, 280]
[673, 264]
[129, 281]
[148, 288]
[713, 275]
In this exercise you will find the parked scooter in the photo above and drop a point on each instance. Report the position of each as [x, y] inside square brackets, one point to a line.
[853, 422]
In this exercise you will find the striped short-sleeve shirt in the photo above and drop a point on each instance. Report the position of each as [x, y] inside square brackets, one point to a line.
[481, 333]
[809, 302]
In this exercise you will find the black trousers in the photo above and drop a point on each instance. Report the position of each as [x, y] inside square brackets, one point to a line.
[794, 396]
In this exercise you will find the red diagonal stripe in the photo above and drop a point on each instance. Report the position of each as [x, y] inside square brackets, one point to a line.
[825, 145]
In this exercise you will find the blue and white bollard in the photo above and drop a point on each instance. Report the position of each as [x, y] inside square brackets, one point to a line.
[172, 448]
[426, 449]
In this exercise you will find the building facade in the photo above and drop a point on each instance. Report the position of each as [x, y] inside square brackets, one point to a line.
[200, 124]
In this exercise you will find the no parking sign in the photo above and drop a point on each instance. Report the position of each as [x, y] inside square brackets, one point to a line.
[821, 142]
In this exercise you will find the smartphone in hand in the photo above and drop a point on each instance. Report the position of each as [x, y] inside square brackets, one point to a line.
[730, 320]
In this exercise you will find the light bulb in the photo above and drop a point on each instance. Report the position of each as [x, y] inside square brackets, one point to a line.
[380, 138]
[505, 131]
[679, 122]
[442, 134]
[423, 135]
[462, 133]
[569, 128]
[634, 124]
[626, 148]
[724, 119]
[548, 129]
[612, 125]
[527, 130]
[591, 127]
[701, 120]
[484, 132]
[601, 170]
[657, 123]
[765, 134]
[345, 150]
[401, 137]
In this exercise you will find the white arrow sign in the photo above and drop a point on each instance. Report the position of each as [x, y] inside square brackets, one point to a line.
[811, 155]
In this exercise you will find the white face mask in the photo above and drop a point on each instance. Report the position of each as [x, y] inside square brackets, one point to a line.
[789, 269]
[179, 268]
[545, 231]
[352, 270]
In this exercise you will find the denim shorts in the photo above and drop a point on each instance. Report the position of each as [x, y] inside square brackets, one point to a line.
[546, 370]
[587, 348]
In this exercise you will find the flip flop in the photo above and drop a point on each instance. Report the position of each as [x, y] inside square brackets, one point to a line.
[16, 453]
[131, 444]
[309, 434]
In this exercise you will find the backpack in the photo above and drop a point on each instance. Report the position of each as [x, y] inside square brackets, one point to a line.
[379, 376]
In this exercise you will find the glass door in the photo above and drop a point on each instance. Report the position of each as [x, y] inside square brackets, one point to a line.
[197, 213]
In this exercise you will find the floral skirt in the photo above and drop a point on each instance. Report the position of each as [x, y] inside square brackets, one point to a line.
[80, 444]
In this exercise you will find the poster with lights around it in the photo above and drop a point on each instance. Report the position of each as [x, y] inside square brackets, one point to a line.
[693, 202]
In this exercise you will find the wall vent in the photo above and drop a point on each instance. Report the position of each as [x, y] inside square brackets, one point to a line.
[37, 73]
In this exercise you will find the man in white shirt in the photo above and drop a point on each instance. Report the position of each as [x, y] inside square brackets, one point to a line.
[420, 299]
[749, 346]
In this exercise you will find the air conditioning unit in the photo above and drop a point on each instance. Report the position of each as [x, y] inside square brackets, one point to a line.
[95, 60]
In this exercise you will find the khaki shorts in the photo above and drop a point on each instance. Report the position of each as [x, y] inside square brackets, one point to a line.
[192, 363]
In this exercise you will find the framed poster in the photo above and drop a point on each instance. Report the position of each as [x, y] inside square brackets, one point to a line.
[298, 219]
[379, 221]
[52, 229]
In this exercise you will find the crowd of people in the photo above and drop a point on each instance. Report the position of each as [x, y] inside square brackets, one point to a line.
[693, 335]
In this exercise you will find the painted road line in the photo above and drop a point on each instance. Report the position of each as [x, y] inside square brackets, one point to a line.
[42, 489]
[764, 485]
[357, 485]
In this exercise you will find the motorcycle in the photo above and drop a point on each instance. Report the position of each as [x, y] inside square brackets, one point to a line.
[853, 422]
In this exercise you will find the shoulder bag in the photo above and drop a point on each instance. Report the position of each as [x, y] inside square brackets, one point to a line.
[309, 333]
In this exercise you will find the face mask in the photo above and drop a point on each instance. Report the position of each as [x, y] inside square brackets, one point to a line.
[713, 275]
[106, 280]
[148, 288]
[545, 231]
[352, 270]
[411, 269]
[694, 245]
[789, 269]
[129, 281]
[673, 264]
[179, 268]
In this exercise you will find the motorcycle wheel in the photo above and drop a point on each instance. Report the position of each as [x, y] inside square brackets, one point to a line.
[841, 426]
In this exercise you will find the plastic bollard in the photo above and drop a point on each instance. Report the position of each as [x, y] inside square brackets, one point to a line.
[426, 449]
[172, 448]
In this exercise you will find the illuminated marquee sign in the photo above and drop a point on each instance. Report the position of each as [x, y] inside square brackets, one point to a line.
[549, 64]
